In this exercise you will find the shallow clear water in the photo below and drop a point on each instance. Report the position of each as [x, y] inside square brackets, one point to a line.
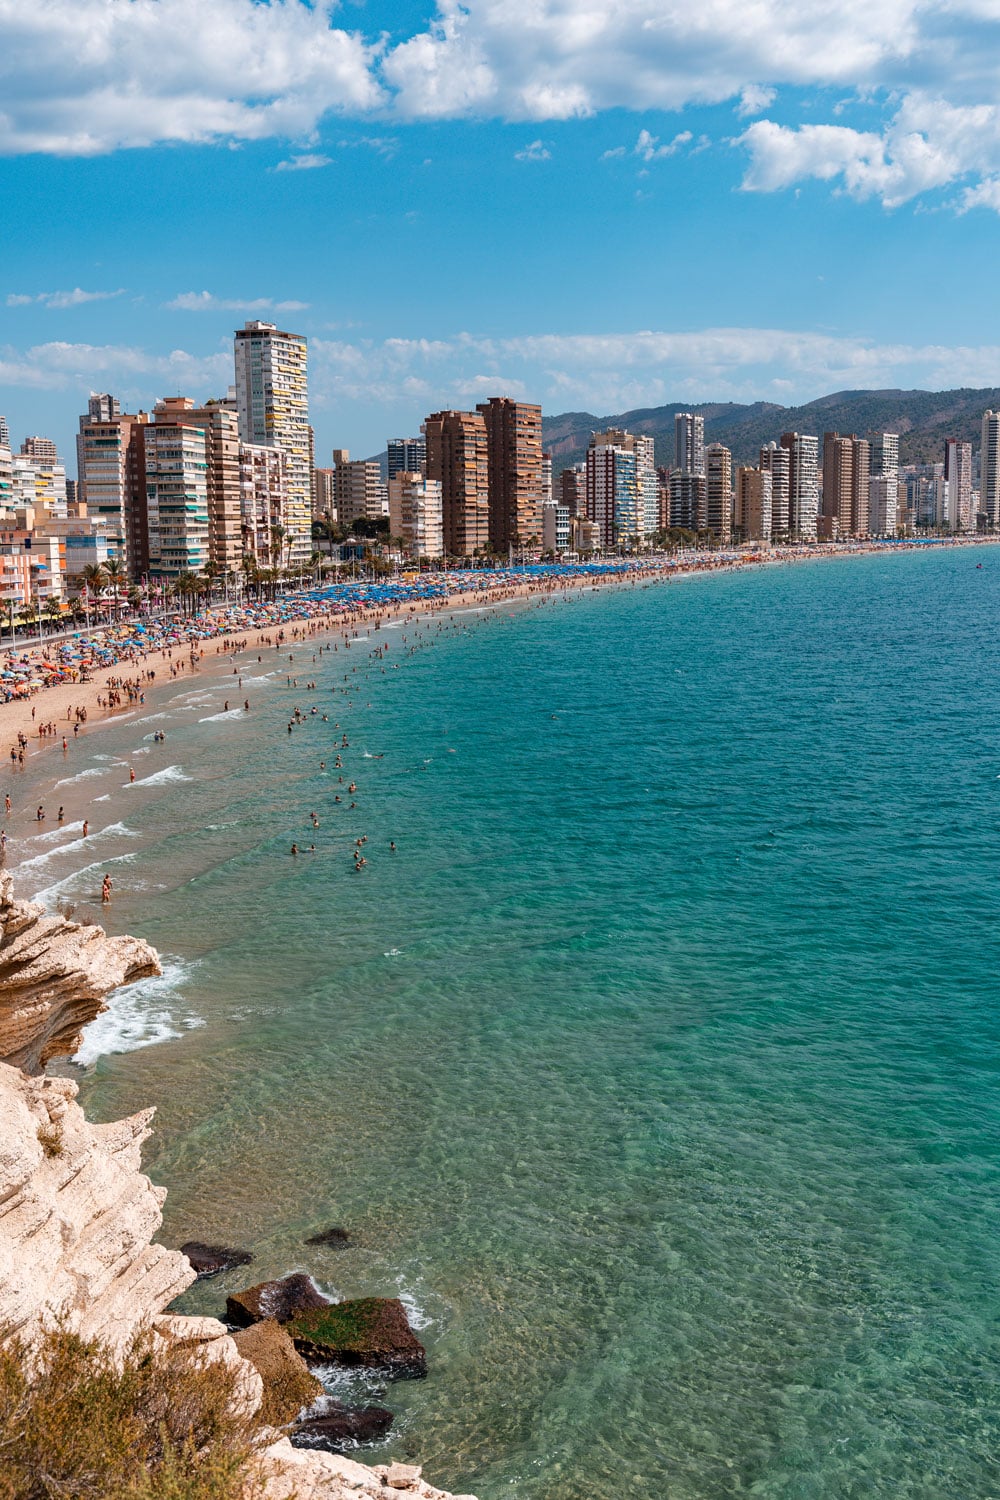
[660, 1065]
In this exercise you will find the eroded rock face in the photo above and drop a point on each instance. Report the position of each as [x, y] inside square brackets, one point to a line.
[77, 1216]
[54, 975]
[288, 1385]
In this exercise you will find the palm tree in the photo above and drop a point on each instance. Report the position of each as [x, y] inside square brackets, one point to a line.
[53, 608]
[118, 579]
[185, 584]
[92, 580]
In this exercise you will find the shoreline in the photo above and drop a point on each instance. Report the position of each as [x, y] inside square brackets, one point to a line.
[128, 677]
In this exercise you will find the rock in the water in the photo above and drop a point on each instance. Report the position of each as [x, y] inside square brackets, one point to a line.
[372, 1332]
[336, 1238]
[280, 1300]
[341, 1427]
[288, 1385]
[209, 1260]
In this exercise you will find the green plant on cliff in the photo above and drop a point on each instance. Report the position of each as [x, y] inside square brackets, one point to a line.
[159, 1424]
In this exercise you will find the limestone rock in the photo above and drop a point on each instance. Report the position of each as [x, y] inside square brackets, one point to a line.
[280, 1300]
[372, 1332]
[54, 975]
[77, 1216]
[307, 1474]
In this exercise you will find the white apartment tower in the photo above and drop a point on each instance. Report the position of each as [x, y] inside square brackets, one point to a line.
[883, 483]
[689, 443]
[803, 484]
[272, 399]
[989, 470]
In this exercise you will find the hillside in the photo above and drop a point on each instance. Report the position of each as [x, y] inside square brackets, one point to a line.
[923, 420]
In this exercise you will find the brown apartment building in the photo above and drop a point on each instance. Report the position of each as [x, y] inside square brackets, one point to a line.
[514, 459]
[457, 458]
[846, 472]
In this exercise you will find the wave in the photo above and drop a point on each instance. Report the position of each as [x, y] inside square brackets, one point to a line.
[113, 830]
[140, 1015]
[229, 713]
[160, 778]
[57, 833]
[84, 775]
[51, 893]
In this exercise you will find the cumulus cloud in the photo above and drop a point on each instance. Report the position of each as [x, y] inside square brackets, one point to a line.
[58, 366]
[536, 151]
[612, 372]
[308, 162]
[208, 302]
[75, 298]
[754, 99]
[79, 77]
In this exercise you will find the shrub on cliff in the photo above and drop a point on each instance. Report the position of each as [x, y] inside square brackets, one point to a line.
[159, 1424]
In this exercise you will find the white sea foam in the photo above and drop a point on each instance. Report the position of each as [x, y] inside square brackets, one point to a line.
[392, 953]
[105, 798]
[57, 833]
[418, 1317]
[51, 894]
[113, 830]
[85, 775]
[139, 1016]
[229, 713]
[160, 778]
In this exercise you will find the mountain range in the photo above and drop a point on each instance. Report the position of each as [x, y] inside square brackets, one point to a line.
[923, 420]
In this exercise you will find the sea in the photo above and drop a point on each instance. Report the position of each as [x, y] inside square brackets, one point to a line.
[657, 1068]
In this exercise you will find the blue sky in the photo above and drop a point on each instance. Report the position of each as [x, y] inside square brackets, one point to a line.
[595, 206]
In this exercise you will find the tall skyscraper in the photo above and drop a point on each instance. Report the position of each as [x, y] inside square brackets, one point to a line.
[688, 501]
[846, 476]
[719, 491]
[415, 514]
[42, 448]
[222, 438]
[883, 486]
[457, 459]
[752, 504]
[958, 485]
[112, 476]
[514, 468]
[622, 492]
[272, 398]
[573, 489]
[989, 470]
[689, 443]
[4, 433]
[176, 492]
[777, 462]
[359, 493]
[263, 499]
[324, 495]
[406, 455]
[803, 484]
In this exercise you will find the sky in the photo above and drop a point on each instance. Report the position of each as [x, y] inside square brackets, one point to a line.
[594, 204]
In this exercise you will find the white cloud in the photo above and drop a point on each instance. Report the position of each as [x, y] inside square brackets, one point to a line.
[75, 298]
[605, 373]
[308, 162]
[649, 148]
[383, 145]
[60, 366]
[207, 302]
[754, 99]
[79, 77]
[535, 151]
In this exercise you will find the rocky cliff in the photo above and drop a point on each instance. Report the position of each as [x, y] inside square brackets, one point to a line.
[77, 1215]
[54, 975]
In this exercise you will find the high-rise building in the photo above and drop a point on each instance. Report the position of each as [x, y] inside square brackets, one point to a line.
[573, 489]
[112, 476]
[719, 492]
[622, 495]
[324, 496]
[221, 426]
[514, 470]
[688, 501]
[406, 456]
[176, 493]
[846, 483]
[555, 528]
[883, 486]
[272, 398]
[457, 459]
[689, 442]
[989, 471]
[776, 461]
[415, 514]
[42, 448]
[359, 492]
[752, 504]
[263, 501]
[958, 485]
[546, 478]
[803, 484]
[4, 433]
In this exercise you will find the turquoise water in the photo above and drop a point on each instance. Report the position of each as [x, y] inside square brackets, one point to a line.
[659, 1068]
